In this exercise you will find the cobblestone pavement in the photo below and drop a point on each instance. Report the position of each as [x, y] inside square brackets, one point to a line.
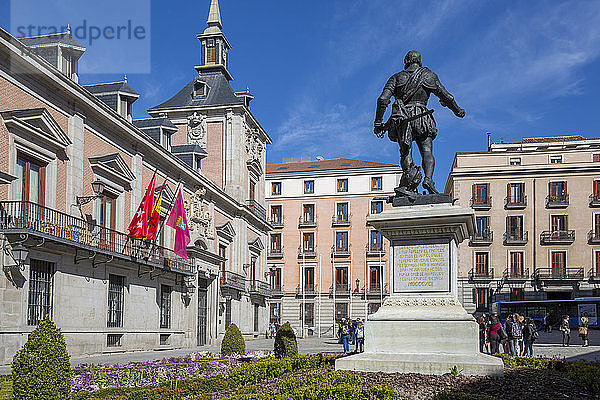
[549, 345]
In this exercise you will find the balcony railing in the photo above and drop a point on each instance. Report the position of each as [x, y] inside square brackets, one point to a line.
[276, 289]
[559, 201]
[515, 202]
[340, 220]
[276, 222]
[307, 252]
[594, 274]
[484, 238]
[342, 288]
[559, 274]
[340, 251]
[304, 222]
[260, 288]
[558, 237]
[232, 280]
[593, 237]
[484, 203]
[518, 274]
[26, 217]
[595, 200]
[257, 209]
[516, 238]
[374, 250]
[275, 252]
[481, 275]
[376, 289]
[309, 288]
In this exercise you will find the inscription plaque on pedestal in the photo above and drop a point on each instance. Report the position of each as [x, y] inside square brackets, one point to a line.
[421, 267]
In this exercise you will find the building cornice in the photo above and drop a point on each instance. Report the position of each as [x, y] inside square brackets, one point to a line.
[332, 172]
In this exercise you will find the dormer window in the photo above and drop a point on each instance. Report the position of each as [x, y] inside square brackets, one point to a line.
[125, 107]
[165, 139]
[199, 89]
[69, 65]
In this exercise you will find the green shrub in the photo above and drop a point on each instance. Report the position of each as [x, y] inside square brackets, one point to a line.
[585, 374]
[285, 342]
[529, 362]
[41, 369]
[233, 341]
[462, 396]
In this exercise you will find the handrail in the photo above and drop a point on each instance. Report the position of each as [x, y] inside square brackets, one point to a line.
[508, 274]
[233, 280]
[28, 216]
[483, 203]
[257, 209]
[558, 236]
[560, 273]
[522, 202]
[474, 274]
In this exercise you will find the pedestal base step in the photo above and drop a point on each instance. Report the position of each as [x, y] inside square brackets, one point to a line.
[430, 364]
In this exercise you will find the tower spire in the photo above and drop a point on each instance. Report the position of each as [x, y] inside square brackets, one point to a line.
[214, 18]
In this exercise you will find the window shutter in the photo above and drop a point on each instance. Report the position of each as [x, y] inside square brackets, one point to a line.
[474, 191]
[550, 189]
[508, 193]
[474, 296]
[564, 188]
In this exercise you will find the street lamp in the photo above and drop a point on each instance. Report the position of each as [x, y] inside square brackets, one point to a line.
[357, 284]
[98, 188]
[19, 254]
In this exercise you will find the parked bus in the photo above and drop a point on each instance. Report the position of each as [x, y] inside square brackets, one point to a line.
[536, 309]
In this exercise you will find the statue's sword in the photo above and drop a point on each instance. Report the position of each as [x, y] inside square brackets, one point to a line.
[388, 125]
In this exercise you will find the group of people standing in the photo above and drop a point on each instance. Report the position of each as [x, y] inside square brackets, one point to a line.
[351, 332]
[565, 328]
[516, 335]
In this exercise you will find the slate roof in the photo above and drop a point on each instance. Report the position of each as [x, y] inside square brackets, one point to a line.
[62, 38]
[324, 165]
[219, 93]
[187, 148]
[153, 123]
[110, 87]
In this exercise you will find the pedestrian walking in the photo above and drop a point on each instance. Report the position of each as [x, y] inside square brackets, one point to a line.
[494, 330]
[583, 331]
[360, 336]
[530, 335]
[566, 331]
[344, 334]
[546, 323]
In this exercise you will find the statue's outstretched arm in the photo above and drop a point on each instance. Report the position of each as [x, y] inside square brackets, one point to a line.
[446, 99]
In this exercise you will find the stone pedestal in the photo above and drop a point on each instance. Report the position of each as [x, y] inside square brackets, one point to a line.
[422, 327]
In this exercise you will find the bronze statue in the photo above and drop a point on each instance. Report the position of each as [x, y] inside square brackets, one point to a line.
[411, 120]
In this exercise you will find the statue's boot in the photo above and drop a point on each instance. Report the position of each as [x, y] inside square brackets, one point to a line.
[429, 185]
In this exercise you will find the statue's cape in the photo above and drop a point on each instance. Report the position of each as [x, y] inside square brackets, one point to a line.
[414, 82]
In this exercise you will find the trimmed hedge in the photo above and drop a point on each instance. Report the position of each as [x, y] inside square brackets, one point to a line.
[41, 369]
[285, 342]
[233, 341]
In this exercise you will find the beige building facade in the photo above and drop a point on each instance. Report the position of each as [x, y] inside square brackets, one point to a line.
[537, 220]
[325, 262]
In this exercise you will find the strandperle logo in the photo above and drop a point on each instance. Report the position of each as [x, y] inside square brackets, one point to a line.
[87, 32]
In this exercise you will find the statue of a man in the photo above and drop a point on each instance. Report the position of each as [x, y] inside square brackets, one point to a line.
[411, 120]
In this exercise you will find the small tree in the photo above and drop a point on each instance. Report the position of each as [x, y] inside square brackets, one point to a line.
[41, 369]
[233, 341]
[285, 342]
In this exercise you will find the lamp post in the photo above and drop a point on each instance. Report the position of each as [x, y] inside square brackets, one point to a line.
[19, 254]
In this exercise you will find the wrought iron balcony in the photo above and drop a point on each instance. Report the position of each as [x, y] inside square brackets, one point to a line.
[557, 237]
[515, 202]
[593, 237]
[374, 250]
[276, 289]
[257, 209]
[306, 252]
[340, 220]
[275, 252]
[481, 275]
[483, 239]
[340, 251]
[484, 203]
[260, 288]
[307, 221]
[309, 289]
[595, 200]
[594, 274]
[516, 238]
[559, 274]
[276, 222]
[231, 280]
[519, 274]
[376, 288]
[22, 217]
[560, 201]
[342, 288]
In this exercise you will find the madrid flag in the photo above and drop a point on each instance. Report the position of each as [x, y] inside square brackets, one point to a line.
[138, 228]
[178, 221]
[154, 217]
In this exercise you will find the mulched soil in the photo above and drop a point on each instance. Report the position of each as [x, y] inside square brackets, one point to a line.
[516, 384]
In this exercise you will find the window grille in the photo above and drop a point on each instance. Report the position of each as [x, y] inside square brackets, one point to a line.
[165, 306]
[116, 289]
[114, 340]
[41, 274]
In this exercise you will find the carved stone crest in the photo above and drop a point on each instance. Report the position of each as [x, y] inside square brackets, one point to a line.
[196, 129]
[201, 217]
[254, 146]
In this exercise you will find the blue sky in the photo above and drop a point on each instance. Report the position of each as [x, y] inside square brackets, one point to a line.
[316, 68]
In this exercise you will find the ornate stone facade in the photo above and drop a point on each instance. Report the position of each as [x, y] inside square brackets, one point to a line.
[417, 301]
[254, 145]
[201, 222]
[196, 129]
